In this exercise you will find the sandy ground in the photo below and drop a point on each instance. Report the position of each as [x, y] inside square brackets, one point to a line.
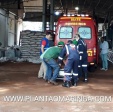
[21, 91]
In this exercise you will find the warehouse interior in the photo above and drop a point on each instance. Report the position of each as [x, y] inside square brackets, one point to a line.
[23, 24]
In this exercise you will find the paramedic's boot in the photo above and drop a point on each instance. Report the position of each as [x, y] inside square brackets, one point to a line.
[78, 79]
[75, 84]
[66, 84]
[85, 79]
[72, 81]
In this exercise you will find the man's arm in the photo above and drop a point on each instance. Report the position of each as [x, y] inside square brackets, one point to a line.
[107, 45]
[80, 49]
[43, 45]
[61, 55]
[42, 48]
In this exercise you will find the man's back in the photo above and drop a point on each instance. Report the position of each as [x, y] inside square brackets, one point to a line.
[82, 48]
[52, 52]
[45, 43]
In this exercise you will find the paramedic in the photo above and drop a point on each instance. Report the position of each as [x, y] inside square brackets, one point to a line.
[83, 60]
[70, 50]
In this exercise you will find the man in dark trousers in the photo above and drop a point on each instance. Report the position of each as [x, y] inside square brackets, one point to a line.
[82, 48]
[70, 51]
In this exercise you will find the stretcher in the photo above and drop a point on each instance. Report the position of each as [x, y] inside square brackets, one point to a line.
[61, 74]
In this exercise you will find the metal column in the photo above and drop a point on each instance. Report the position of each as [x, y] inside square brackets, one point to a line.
[15, 36]
[52, 15]
[44, 15]
[6, 30]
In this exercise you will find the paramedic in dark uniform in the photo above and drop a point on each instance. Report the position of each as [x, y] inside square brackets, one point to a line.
[72, 62]
[82, 48]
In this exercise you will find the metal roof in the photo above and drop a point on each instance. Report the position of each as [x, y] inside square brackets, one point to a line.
[100, 7]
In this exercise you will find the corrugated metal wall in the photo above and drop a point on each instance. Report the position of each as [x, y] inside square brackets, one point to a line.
[7, 28]
[3, 28]
[11, 30]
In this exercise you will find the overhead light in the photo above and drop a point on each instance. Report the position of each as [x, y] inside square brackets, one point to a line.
[76, 8]
[57, 13]
[73, 15]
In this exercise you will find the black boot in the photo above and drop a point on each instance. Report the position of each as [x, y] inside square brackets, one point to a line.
[85, 79]
[76, 79]
[66, 84]
[72, 81]
[75, 84]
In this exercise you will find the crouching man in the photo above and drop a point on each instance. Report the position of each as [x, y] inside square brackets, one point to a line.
[49, 58]
[70, 50]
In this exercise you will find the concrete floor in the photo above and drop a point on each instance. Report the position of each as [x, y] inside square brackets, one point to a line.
[20, 80]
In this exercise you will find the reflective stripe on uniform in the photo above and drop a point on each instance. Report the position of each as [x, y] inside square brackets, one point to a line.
[80, 57]
[79, 66]
[84, 65]
[60, 58]
[77, 49]
[75, 74]
[67, 49]
[83, 43]
[81, 52]
[67, 73]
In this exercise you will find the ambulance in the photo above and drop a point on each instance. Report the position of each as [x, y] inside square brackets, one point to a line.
[68, 26]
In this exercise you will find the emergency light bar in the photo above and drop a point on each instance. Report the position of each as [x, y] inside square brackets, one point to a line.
[80, 15]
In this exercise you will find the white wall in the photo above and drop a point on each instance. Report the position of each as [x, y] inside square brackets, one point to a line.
[33, 26]
[19, 29]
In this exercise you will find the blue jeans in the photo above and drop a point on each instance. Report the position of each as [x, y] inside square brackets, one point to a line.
[104, 61]
[51, 64]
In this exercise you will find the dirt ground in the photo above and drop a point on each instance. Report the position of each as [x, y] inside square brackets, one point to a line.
[21, 91]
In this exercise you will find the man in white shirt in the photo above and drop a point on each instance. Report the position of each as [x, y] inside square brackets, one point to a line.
[104, 52]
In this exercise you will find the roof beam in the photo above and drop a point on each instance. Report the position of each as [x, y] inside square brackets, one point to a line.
[97, 4]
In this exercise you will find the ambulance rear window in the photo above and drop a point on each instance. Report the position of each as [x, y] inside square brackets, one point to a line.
[85, 32]
[65, 32]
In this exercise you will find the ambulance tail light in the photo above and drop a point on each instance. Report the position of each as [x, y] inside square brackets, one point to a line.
[78, 14]
[86, 15]
[64, 15]
[94, 50]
